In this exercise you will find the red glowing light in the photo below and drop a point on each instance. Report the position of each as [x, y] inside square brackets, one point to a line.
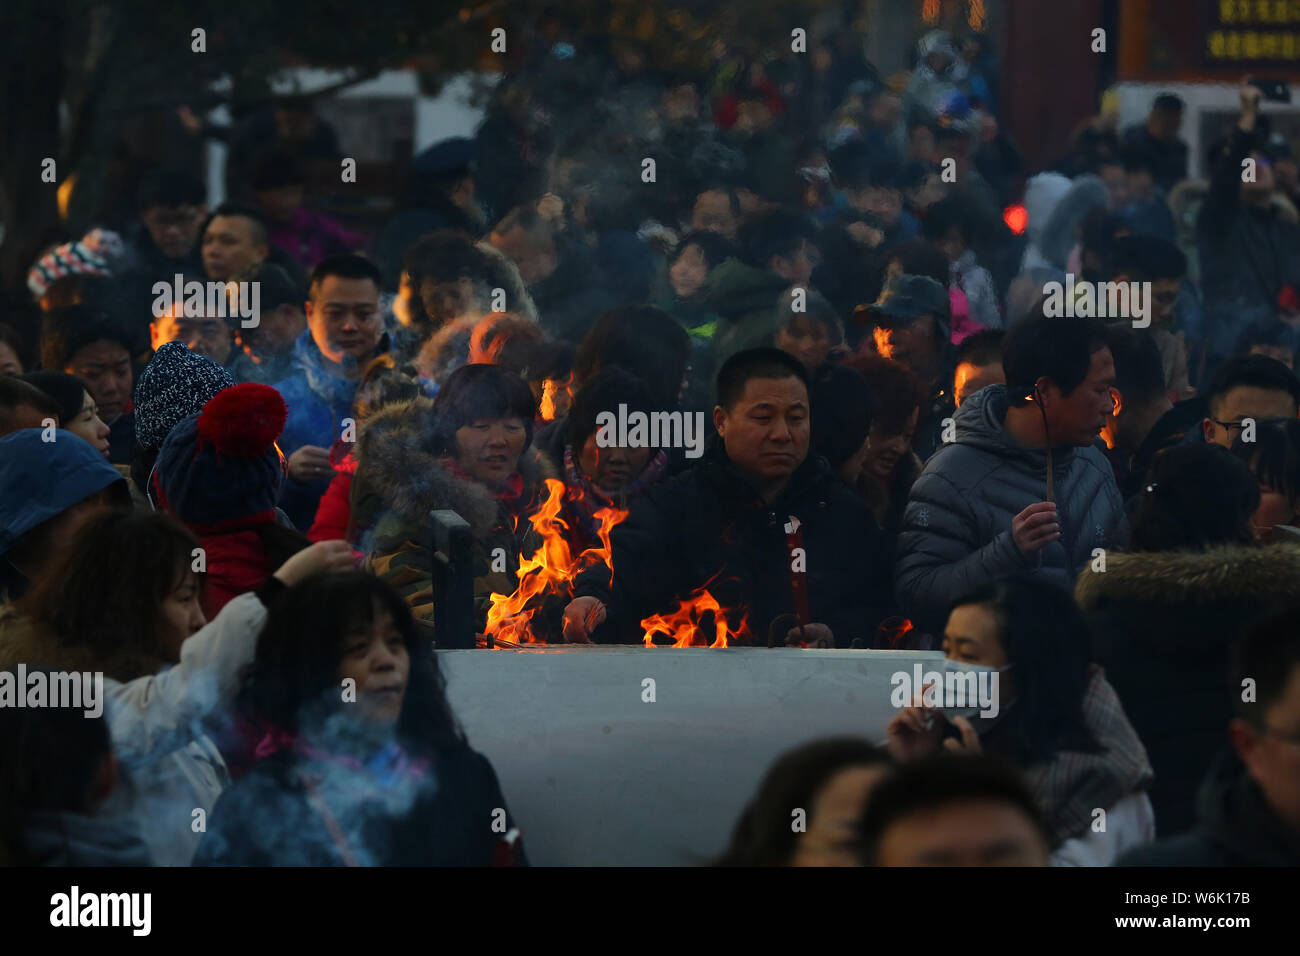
[1016, 217]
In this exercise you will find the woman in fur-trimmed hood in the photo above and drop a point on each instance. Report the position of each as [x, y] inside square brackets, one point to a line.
[1165, 616]
[468, 451]
[1163, 624]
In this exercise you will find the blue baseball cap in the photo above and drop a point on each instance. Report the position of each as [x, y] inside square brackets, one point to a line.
[41, 479]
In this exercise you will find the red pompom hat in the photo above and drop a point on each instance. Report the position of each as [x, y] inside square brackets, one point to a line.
[222, 464]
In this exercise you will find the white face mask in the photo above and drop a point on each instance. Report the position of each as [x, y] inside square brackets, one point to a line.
[967, 668]
[986, 707]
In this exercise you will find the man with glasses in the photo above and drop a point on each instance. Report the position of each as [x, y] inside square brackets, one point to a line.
[1022, 488]
[172, 206]
[1250, 801]
[1251, 387]
[207, 334]
[345, 330]
[163, 241]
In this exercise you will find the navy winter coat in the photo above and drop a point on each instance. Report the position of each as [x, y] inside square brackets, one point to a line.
[957, 525]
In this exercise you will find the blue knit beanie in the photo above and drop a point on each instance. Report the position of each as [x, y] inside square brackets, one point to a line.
[175, 383]
[222, 464]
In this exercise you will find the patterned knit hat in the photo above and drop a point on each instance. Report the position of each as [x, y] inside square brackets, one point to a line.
[222, 464]
[175, 383]
[96, 253]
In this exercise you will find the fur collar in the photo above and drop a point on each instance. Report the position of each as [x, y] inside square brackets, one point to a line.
[397, 467]
[21, 641]
[1235, 573]
[446, 350]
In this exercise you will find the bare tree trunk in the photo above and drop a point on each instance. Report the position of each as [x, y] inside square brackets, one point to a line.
[96, 115]
[30, 88]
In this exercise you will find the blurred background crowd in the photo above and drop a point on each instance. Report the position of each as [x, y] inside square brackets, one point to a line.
[843, 271]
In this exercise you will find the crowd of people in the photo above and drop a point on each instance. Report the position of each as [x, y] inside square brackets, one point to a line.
[229, 515]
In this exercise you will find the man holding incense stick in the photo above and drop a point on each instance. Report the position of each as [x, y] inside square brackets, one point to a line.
[1022, 487]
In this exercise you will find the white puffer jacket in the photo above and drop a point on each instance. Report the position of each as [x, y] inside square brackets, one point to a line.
[156, 723]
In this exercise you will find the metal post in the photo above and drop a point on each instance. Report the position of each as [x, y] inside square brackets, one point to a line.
[453, 580]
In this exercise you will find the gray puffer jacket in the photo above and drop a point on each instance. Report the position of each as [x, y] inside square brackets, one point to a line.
[957, 526]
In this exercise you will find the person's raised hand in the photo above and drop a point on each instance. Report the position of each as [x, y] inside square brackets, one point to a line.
[914, 733]
[321, 558]
[1036, 527]
[969, 742]
[551, 208]
[1250, 96]
[310, 463]
[192, 124]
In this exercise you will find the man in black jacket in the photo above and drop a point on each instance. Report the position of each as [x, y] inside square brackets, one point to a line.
[1250, 803]
[563, 278]
[1158, 138]
[769, 531]
[164, 240]
[440, 195]
[911, 324]
[1248, 250]
[1141, 424]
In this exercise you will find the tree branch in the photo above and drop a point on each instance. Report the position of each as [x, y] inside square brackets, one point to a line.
[210, 100]
[207, 101]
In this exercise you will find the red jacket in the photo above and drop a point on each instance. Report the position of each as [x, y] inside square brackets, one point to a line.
[236, 560]
[335, 508]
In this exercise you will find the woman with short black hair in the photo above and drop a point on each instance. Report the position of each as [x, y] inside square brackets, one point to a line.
[468, 451]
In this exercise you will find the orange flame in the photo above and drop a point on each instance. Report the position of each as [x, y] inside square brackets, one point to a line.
[880, 337]
[684, 626]
[894, 629]
[546, 408]
[551, 569]
[557, 396]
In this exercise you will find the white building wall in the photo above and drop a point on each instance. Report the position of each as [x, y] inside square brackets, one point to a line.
[436, 117]
[1135, 101]
[440, 117]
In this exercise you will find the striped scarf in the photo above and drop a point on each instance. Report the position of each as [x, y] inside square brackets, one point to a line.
[1072, 784]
